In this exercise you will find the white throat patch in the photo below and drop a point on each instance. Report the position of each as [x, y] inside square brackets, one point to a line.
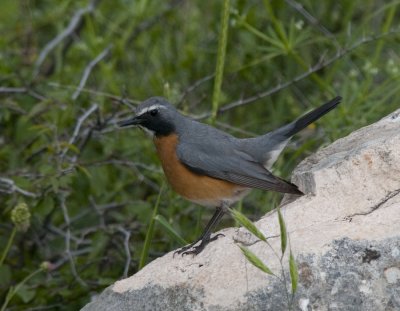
[147, 131]
[144, 110]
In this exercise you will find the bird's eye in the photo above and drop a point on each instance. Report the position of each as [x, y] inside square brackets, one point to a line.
[153, 112]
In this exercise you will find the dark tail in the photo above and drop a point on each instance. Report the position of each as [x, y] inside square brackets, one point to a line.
[310, 117]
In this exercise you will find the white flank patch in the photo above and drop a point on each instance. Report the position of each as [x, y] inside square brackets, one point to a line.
[274, 154]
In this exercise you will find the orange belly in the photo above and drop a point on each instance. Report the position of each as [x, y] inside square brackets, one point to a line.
[197, 188]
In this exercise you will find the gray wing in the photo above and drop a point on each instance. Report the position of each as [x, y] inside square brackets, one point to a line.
[220, 159]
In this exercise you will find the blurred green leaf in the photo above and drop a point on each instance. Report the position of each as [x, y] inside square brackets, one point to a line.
[5, 276]
[45, 205]
[71, 147]
[84, 170]
[39, 108]
[106, 281]
[26, 293]
[99, 244]
[9, 13]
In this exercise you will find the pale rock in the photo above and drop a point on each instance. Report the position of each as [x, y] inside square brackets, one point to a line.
[344, 233]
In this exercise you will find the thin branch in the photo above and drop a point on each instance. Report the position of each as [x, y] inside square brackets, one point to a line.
[97, 93]
[194, 86]
[100, 208]
[35, 95]
[99, 211]
[76, 253]
[235, 129]
[89, 69]
[58, 231]
[8, 186]
[128, 260]
[8, 90]
[311, 19]
[78, 126]
[317, 67]
[68, 241]
[317, 24]
[147, 24]
[67, 32]
[21, 90]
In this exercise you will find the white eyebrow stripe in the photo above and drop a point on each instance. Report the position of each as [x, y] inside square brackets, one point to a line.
[144, 110]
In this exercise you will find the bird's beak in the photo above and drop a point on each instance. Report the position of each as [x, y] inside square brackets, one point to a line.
[134, 121]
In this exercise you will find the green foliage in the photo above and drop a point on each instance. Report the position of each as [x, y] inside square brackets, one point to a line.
[69, 70]
[22, 290]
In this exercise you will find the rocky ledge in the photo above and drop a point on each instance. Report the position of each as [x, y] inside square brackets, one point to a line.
[344, 234]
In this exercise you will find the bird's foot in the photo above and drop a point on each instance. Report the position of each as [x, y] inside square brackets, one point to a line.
[194, 250]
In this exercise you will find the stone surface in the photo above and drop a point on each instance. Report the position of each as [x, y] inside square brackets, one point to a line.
[344, 234]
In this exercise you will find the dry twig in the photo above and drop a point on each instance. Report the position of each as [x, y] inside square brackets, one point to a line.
[320, 65]
[68, 241]
[8, 186]
[128, 260]
[67, 32]
[78, 126]
[88, 70]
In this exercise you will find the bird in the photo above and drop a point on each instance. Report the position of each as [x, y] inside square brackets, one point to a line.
[210, 167]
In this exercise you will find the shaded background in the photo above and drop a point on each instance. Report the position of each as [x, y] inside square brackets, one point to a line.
[70, 69]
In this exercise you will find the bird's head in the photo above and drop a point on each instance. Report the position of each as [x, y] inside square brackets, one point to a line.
[154, 115]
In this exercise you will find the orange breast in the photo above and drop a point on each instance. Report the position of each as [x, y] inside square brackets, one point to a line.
[200, 189]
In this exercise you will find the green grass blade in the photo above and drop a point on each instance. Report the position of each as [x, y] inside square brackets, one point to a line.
[171, 231]
[239, 209]
[248, 224]
[12, 291]
[150, 232]
[7, 248]
[255, 261]
[294, 274]
[222, 42]
[282, 227]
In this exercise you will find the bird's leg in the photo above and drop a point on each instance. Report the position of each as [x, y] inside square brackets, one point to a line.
[205, 237]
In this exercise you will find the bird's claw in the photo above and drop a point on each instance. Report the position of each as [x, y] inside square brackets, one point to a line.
[191, 249]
